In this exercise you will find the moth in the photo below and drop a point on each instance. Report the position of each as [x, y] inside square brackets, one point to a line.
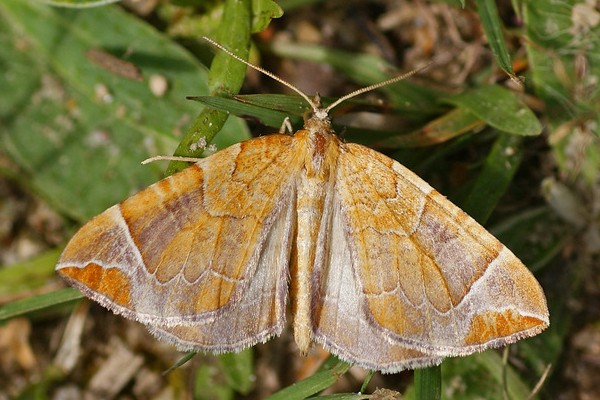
[368, 259]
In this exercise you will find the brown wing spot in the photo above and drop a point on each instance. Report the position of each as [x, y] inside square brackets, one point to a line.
[112, 283]
[493, 325]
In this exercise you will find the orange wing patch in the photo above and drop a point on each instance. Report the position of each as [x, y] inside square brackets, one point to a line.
[492, 325]
[111, 283]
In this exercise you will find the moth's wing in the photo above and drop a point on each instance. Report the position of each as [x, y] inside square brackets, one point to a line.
[260, 311]
[341, 321]
[192, 247]
[428, 276]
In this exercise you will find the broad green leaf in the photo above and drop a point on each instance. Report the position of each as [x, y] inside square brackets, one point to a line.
[77, 131]
[500, 108]
[481, 376]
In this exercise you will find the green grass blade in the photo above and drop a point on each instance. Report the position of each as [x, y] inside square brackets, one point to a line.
[259, 107]
[492, 26]
[78, 3]
[39, 302]
[313, 384]
[351, 396]
[428, 383]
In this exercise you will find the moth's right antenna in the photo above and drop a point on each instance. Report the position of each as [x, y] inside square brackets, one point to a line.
[377, 86]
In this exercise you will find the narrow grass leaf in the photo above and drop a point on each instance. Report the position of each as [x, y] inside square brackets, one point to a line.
[492, 26]
[428, 383]
[312, 385]
[40, 302]
[78, 3]
[239, 107]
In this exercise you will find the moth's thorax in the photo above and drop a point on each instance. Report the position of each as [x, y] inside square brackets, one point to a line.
[322, 149]
[322, 146]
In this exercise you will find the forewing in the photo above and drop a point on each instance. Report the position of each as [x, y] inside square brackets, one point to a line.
[429, 277]
[187, 250]
[260, 309]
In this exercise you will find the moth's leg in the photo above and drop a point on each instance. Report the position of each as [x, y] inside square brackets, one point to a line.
[286, 126]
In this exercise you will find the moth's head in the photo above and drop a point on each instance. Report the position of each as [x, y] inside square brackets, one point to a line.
[316, 110]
